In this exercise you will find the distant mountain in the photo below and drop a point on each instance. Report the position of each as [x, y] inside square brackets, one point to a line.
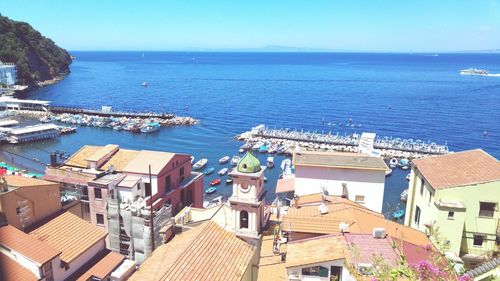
[37, 58]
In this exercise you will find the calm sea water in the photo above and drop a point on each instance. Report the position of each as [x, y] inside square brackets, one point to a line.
[415, 96]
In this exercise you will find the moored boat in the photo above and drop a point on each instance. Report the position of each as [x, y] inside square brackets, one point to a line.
[224, 160]
[229, 181]
[263, 148]
[234, 160]
[209, 171]
[270, 162]
[222, 172]
[200, 164]
[404, 195]
[404, 163]
[210, 190]
[192, 160]
[215, 182]
[408, 177]
[393, 163]
[151, 127]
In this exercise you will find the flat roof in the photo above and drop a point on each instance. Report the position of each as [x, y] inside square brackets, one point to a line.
[157, 159]
[101, 152]
[315, 250]
[14, 100]
[69, 234]
[129, 181]
[339, 160]
[459, 169]
[34, 128]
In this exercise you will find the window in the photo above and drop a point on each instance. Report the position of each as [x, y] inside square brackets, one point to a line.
[18, 210]
[243, 219]
[478, 240]
[99, 219]
[451, 215]
[417, 216]
[147, 189]
[422, 186]
[97, 193]
[85, 193]
[315, 271]
[359, 199]
[487, 209]
[430, 197]
[336, 271]
[181, 174]
[168, 184]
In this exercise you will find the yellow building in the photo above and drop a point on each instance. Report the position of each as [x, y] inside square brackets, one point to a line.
[459, 195]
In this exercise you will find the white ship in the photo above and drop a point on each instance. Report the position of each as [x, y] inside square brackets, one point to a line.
[474, 71]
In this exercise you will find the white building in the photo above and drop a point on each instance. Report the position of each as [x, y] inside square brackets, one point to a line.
[8, 73]
[358, 177]
[9, 103]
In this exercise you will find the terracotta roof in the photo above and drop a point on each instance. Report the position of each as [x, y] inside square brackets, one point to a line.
[69, 234]
[78, 158]
[360, 220]
[364, 248]
[213, 254]
[101, 152]
[316, 198]
[319, 225]
[103, 267]
[271, 268]
[157, 159]
[339, 160]
[19, 181]
[28, 246]
[285, 185]
[12, 271]
[458, 169]
[315, 250]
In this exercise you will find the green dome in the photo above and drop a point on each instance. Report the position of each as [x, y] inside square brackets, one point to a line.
[249, 164]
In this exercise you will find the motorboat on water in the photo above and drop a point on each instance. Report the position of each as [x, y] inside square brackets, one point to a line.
[214, 202]
[215, 182]
[209, 171]
[263, 148]
[408, 177]
[474, 71]
[144, 84]
[192, 160]
[404, 163]
[393, 162]
[404, 195]
[257, 146]
[229, 181]
[222, 172]
[224, 160]
[210, 190]
[200, 164]
[234, 160]
[388, 172]
[398, 214]
[265, 179]
[150, 127]
[270, 162]
[241, 150]
[286, 163]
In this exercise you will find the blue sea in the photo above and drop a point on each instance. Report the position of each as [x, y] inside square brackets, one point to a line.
[419, 96]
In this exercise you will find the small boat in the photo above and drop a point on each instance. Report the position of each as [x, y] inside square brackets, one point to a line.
[263, 148]
[224, 160]
[144, 84]
[200, 164]
[117, 128]
[474, 71]
[209, 171]
[257, 146]
[246, 146]
[404, 195]
[192, 160]
[398, 214]
[393, 163]
[241, 150]
[215, 182]
[210, 190]
[234, 160]
[229, 181]
[404, 163]
[151, 127]
[222, 172]
[265, 179]
[388, 172]
[408, 177]
[270, 162]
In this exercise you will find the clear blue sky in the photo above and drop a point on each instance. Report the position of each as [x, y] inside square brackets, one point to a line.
[369, 25]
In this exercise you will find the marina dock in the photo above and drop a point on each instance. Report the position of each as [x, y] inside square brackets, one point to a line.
[107, 112]
[286, 141]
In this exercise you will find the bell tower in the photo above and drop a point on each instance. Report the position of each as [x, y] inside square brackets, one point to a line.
[247, 200]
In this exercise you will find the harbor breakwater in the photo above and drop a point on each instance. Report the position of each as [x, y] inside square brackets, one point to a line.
[286, 141]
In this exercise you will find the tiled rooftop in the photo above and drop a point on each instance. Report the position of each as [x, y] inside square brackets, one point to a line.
[339, 160]
[364, 248]
[271, 268]
[208, 253]
[28, 246]
[69, 234]
[101, 152]
[10, 270]
[78, 159]
[459, 169]
[315, 250]
[103, 267]
[19, 181]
